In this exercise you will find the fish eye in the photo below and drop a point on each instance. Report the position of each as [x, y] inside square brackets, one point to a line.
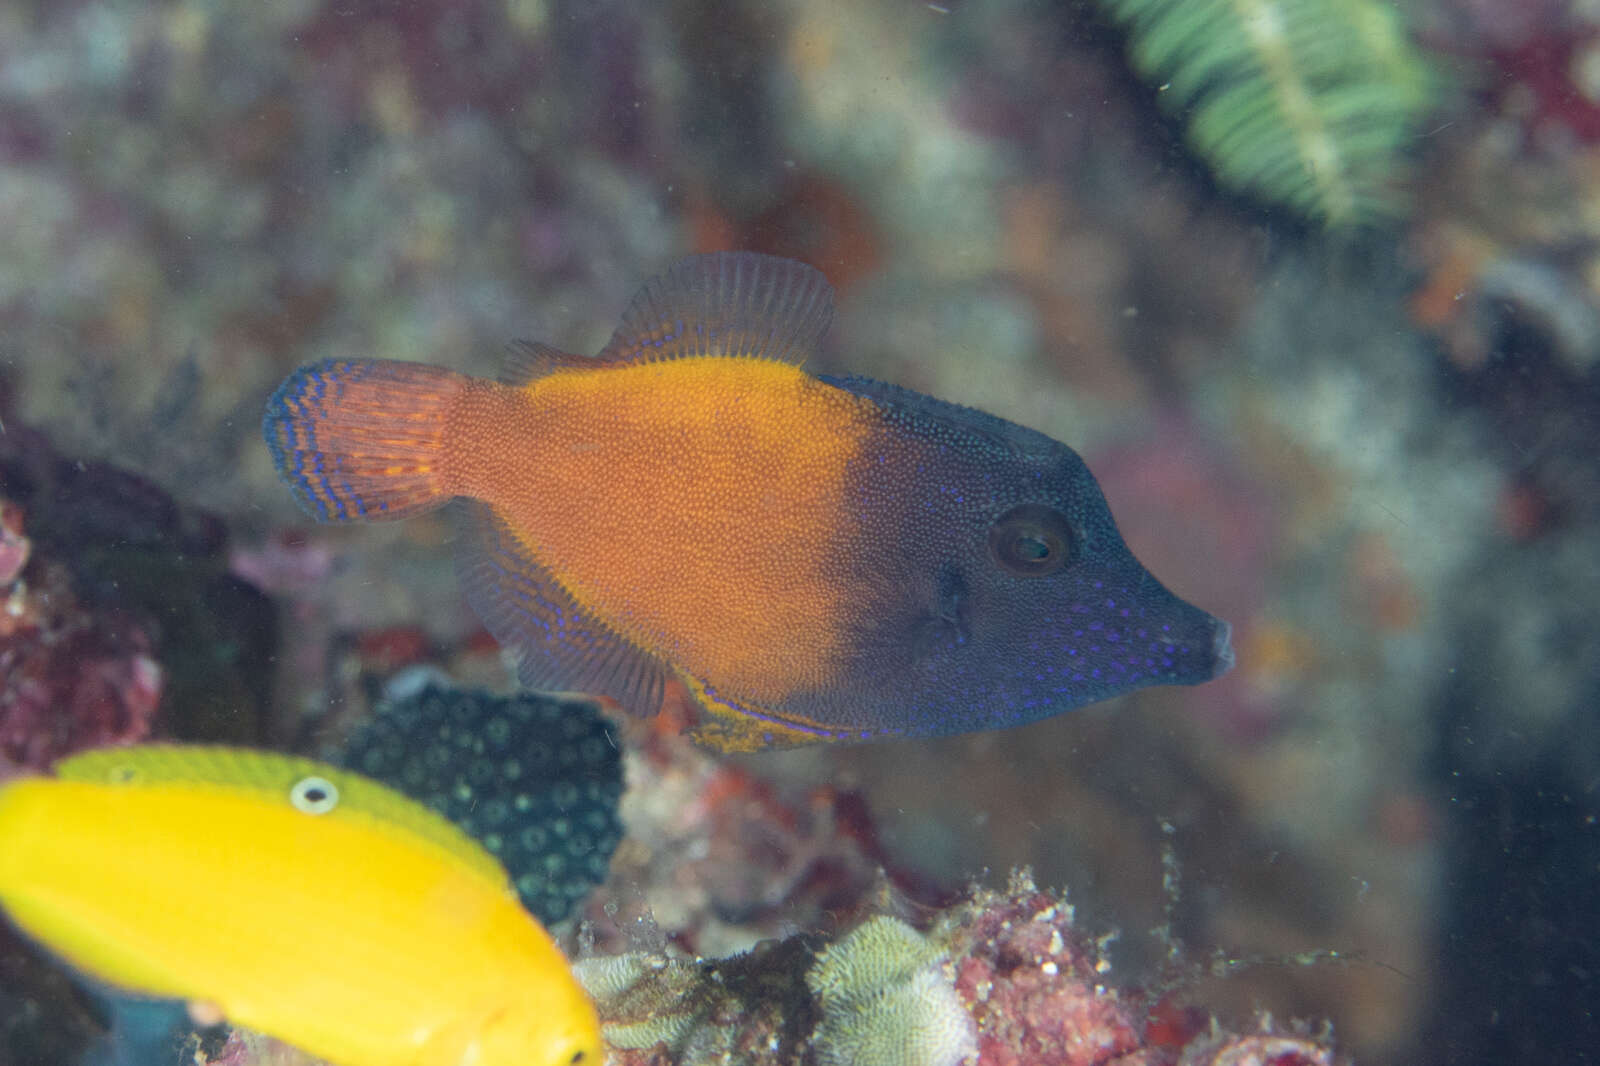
[1031, 540]
[314, 795]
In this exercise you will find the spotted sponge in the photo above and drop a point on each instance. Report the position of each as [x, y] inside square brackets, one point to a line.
[535, 780]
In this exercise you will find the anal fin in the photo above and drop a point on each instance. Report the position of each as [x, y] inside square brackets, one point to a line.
[732, 725]
[556, 645]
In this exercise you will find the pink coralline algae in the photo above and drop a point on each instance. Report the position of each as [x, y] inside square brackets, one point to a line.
[70, 677]
[1037, 989]
[14, 547]
[716, 858]
[1034, 988]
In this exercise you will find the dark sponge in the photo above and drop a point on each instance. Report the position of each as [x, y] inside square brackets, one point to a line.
[534, 779]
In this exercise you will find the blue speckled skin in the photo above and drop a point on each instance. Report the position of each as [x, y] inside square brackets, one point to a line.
[948, 641]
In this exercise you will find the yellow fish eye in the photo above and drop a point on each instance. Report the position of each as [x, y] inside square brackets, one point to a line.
[1031, 540]
[314, 795]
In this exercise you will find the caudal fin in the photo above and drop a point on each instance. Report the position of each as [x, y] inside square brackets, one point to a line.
[363, 438]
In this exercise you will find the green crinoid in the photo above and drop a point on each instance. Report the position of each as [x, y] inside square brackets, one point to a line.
[1308, 104]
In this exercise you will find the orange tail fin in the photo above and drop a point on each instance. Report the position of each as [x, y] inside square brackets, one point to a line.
[363, 438]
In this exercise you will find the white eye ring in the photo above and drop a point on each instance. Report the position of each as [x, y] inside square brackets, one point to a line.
[314, 795]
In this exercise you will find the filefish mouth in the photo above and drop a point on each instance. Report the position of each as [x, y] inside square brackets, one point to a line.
[1221, 648]
[1199, 648]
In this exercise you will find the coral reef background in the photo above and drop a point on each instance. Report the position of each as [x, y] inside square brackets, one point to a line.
[1373, 453]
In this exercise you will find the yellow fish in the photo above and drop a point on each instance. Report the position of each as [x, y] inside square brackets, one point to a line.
[303, 901]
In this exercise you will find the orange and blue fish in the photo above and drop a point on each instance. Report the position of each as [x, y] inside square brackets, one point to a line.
[801, 558]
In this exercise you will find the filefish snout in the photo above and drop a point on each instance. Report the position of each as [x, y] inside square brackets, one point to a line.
[1221, 649]
[1021, 654]
[1136, 632]
[1144, 635]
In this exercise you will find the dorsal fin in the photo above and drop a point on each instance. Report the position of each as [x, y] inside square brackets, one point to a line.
[737, 304]
[528, 360]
